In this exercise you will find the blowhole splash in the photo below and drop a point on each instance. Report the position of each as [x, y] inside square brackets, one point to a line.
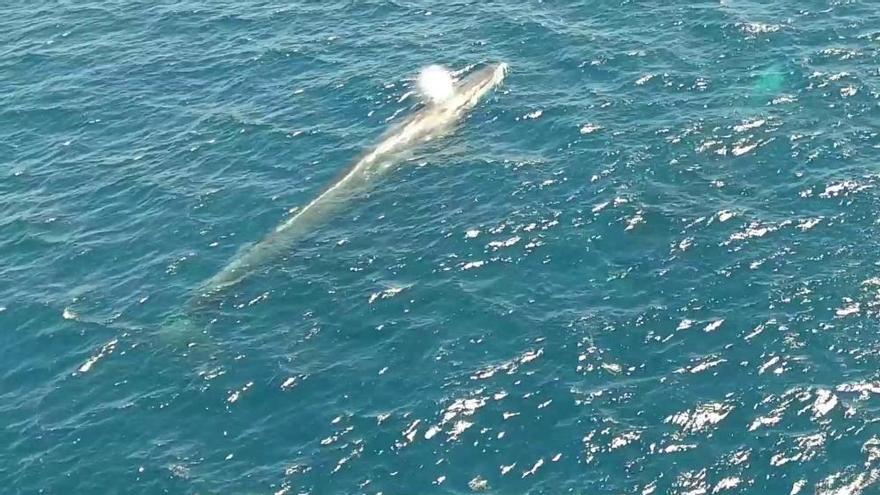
[435, 84]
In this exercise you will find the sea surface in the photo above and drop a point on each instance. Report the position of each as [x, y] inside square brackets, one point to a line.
[646, 264]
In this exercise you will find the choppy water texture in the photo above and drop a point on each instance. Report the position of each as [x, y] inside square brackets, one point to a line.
[648, 264]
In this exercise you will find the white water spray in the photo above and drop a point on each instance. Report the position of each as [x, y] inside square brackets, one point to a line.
[435, 84]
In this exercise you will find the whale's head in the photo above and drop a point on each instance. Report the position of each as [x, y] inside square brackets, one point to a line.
[440, 115]
[470, 89]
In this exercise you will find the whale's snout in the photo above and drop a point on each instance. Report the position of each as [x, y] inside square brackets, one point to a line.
[501, 72]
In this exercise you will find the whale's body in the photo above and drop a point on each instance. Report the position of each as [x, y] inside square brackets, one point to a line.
[429, 122]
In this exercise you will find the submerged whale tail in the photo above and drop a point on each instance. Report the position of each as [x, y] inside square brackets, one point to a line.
[181, 330]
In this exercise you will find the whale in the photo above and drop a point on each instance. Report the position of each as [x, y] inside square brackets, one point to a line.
[433, 120]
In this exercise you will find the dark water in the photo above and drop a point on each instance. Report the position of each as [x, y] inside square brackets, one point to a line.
[647, 264]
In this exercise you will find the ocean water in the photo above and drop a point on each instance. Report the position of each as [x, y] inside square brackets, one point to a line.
[647, 264]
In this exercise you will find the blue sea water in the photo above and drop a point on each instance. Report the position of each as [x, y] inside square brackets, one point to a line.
[645, 265]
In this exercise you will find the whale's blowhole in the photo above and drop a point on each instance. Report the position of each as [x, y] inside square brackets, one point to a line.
[436, 84]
